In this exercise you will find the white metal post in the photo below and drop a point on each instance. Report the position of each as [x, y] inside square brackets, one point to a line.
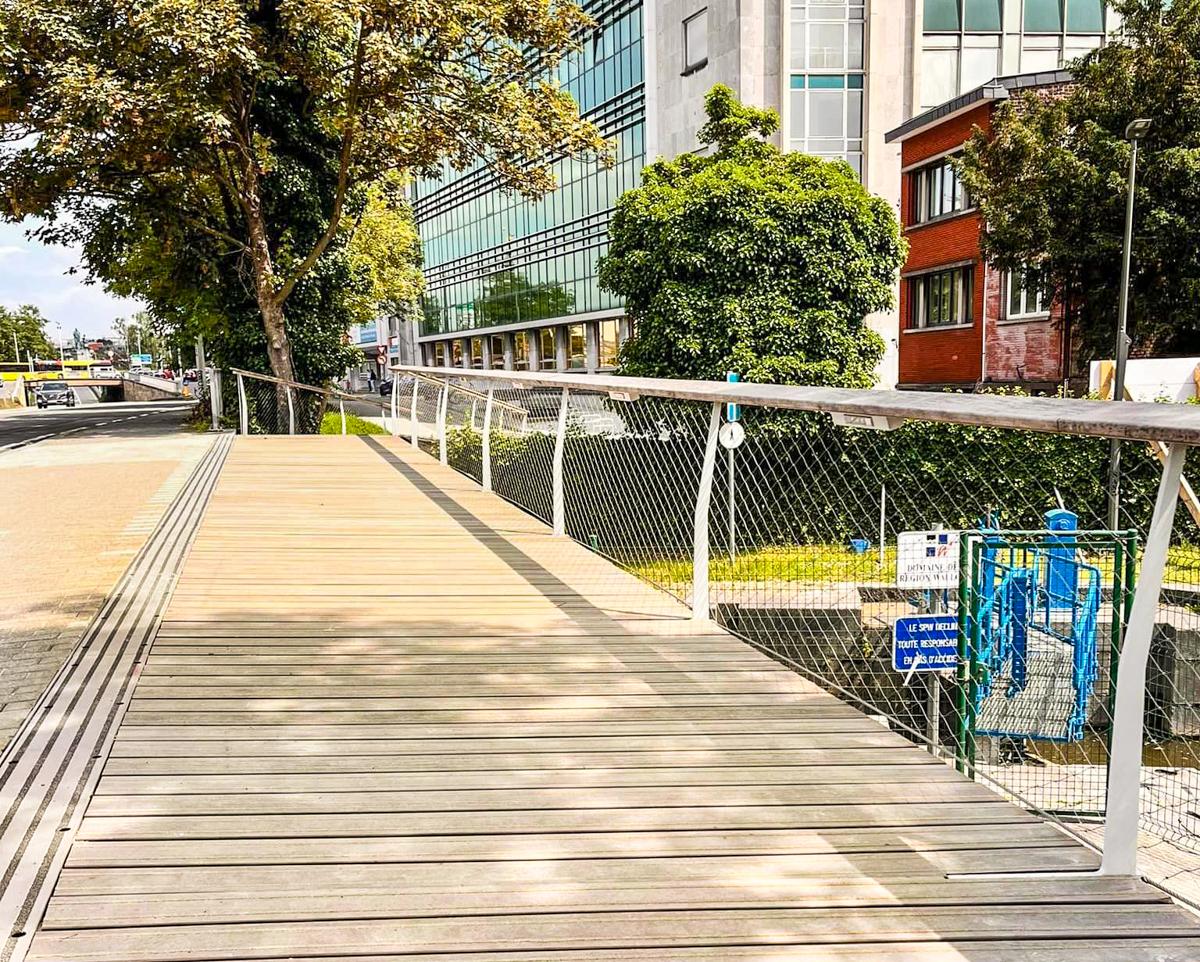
[412, 414]
[700, 520]
[243, 414]
[395, 405]
[342, 410]
[291, 412]
[882, 525]
[1125, 756]
[487, 440]
[443, 402]
[214, 396]
[560, 444]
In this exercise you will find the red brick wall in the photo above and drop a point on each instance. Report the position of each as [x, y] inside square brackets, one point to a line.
[937, 356]
[1020, 351]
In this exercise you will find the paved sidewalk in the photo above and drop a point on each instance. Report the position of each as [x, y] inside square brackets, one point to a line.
[73, 514]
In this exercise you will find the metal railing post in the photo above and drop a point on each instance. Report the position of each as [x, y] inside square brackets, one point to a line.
[243, 414]
[395, 405]
[487, 441]
[291, 411]
[412, 416]
[700, 520]
[559, 507]
[342, 411]
[214, 397]
[1125, 755]
[443, 403]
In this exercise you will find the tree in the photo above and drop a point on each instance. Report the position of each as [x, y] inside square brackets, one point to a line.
[1050, 179]
[193, 286]
[752, 260]
[109, 104]
[27, 325]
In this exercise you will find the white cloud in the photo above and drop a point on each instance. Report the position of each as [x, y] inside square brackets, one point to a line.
[39, 274]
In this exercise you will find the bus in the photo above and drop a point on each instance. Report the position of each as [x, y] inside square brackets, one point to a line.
[40, 369]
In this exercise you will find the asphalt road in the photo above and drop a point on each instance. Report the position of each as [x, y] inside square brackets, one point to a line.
[123, 418]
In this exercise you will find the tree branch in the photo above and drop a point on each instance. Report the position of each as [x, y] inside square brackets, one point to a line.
[343, 179]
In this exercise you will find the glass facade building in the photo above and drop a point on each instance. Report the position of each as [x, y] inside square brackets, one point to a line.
[965, 43]
[497, 264]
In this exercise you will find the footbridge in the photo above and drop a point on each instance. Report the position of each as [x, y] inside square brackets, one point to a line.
[493, 686]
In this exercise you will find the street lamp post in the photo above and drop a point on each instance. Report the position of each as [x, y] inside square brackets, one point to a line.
[1134, 132]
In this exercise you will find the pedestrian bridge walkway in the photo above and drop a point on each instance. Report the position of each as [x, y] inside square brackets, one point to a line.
[387, 715]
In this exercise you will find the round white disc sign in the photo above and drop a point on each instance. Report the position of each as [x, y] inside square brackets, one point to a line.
[731, 435]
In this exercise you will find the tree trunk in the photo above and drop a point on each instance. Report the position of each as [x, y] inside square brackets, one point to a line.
[279, 349]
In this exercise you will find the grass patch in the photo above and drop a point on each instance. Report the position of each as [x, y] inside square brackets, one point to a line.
[826, 563]
[802, 563]
[332, 424]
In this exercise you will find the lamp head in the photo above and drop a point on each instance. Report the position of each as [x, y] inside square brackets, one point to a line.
[1137, 129]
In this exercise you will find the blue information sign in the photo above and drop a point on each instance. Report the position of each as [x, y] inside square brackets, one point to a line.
[925, 643]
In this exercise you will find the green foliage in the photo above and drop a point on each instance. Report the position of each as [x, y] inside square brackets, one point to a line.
[1051, 182]
[752, 260]
[29, 326]
[331, 423]
[210, 151]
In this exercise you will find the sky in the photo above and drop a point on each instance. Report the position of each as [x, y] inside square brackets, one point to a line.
[33, 273]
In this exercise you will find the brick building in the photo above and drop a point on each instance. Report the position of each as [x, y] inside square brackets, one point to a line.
[963, 324]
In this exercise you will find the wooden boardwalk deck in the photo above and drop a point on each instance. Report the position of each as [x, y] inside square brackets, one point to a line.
[389, 716]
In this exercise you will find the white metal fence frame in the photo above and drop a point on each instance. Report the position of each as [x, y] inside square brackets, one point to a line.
[1176, 427]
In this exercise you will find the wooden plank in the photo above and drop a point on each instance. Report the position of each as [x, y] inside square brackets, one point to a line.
[993, 846]
[411, 901]
[521, 821]
[605, 930]
[155, 743]
[575, 799]
[987, 950]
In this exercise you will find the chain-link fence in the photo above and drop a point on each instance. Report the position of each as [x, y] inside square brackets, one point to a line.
[955, 580]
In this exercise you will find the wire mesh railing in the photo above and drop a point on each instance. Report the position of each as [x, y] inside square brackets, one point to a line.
[953, 575]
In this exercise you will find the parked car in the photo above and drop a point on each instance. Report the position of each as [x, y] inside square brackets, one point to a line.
[55, 392]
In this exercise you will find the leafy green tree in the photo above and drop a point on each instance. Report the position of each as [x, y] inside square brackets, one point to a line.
[1050, 179]
[194, 286]
[752, 260]
[107, 104]
[27, 325]
[510, 298]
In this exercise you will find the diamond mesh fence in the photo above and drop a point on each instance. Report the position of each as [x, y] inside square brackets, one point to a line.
[958, 583]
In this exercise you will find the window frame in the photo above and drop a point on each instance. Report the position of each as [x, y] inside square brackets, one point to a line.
[921, 192]
[921, 297]
[690, 66]
[1043, 299]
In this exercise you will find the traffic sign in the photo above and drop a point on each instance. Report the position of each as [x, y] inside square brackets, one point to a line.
[925, 643]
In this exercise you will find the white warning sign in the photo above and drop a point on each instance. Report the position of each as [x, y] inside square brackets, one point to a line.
[927, 559]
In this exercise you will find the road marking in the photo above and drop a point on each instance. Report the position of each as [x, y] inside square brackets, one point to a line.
[21, 444]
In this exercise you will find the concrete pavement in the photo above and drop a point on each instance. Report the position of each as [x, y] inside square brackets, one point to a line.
[73, 513]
